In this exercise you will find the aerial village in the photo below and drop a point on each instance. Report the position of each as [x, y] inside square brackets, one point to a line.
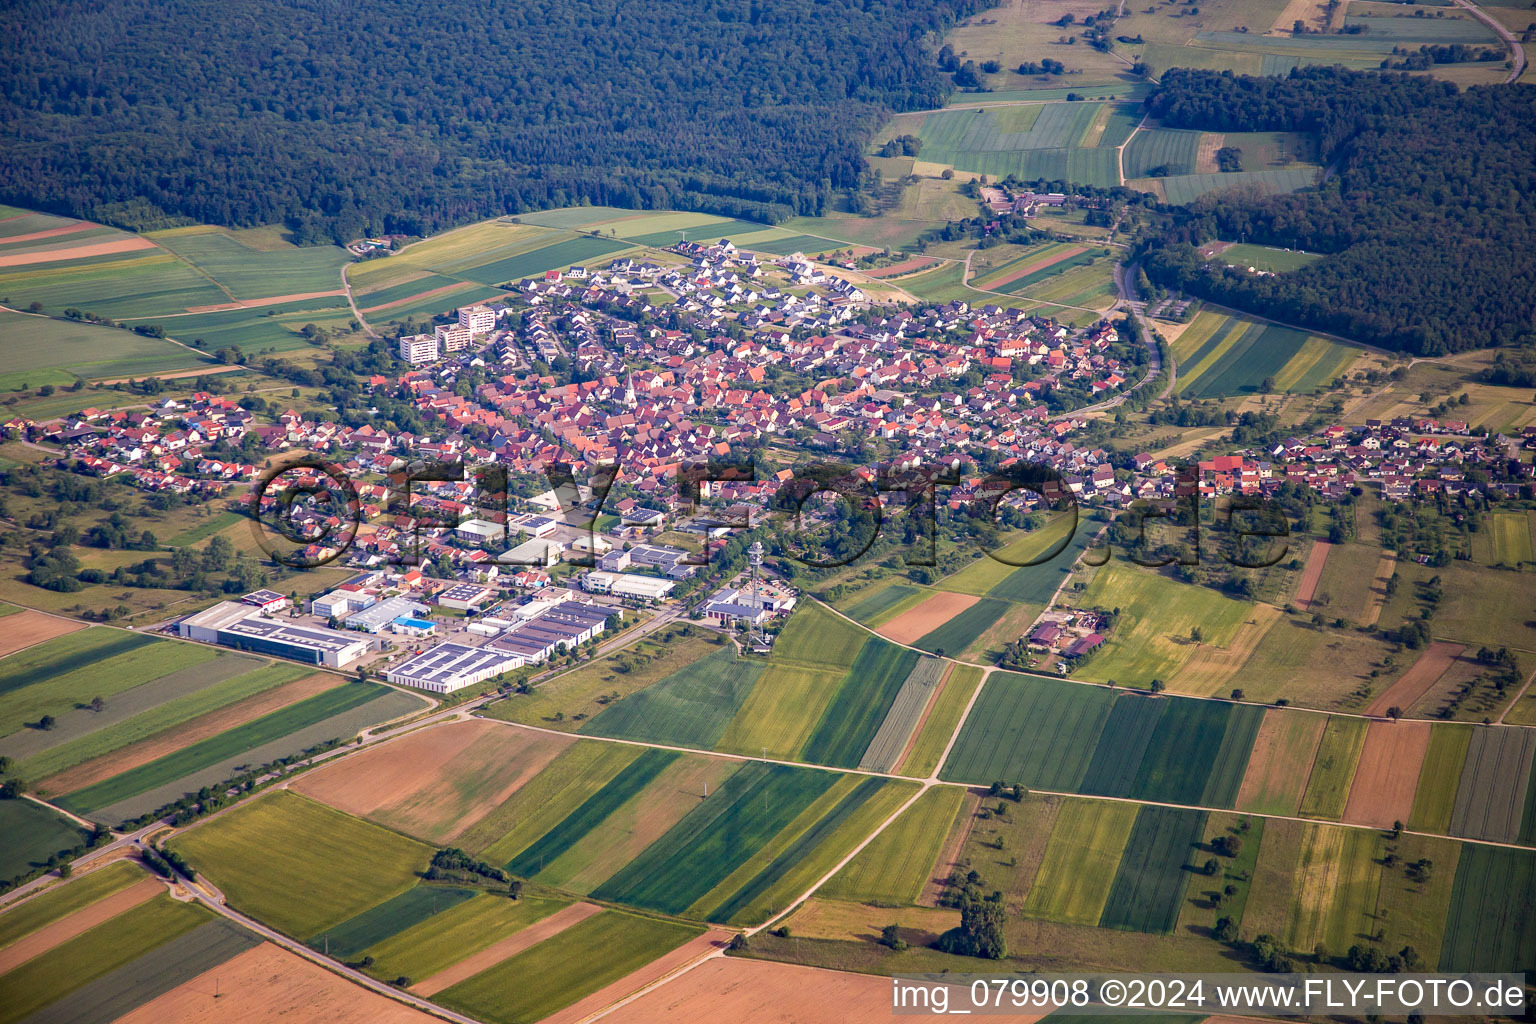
[748, 355]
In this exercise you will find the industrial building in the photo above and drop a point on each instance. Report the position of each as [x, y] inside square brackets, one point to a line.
[465, 597]
[452, 666]
[232, 624]
[640, 588]
[377, 617]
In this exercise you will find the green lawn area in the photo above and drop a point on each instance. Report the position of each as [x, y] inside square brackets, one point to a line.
[300, 866]
[690, 707]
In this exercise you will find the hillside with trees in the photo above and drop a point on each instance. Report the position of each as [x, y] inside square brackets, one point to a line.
[392, 116]
[1427, 216]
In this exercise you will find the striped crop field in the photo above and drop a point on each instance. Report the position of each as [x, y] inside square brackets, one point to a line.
[1172, 149]
[689, 708]
[860, 704]
[1153, 873]
[1336, 886]
[905, 712]
[1338, 753]
[300, 866]
[1050, 141]
[1439, 777]
[1489, 924]
[893, 869]
[1081, 861]
[1220, 355]
[1040, 733]
[1495, 782]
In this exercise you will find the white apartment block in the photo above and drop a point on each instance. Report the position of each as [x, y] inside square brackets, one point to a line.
[453, 337]
[418, 348]
[477, 319]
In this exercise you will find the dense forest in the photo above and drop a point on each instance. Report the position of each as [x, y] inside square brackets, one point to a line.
[393, 116]
[1427, 214]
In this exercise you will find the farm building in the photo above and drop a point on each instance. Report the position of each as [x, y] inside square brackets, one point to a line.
[449, 667]
[232, 624]
[644, 588]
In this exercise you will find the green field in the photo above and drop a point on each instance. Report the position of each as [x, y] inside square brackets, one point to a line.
[1172, 148]
[871, 610]
[820, 638]
[782, 709]
[716, 837]
[689, 708]
[1120, 749]
[39, 350]
[1152, 636]
[1028, 142]
[943, 719]
[1037, 732]
[1184, 748]
[1334, 897]
[233, 742]
[1081, 861]
[1491, 799]
[573, 776]
[1186, 188]
[1337, 754]
[860, 705]
[1231, 762]
[145, 711]
[50, 678]
[552, 257]
[812, 853]
[1439, 777]
[1263, 257]
[1153, 873]
[51, 976]
[62, 900]
[960, 632]
[576, 826]
[33, 833]
[893, 869]
[454, 933]
[300, 866]
[1240, 356]
[562, 969]
[1489, 924]
[168, 965]
[409, 909]
[252, 274]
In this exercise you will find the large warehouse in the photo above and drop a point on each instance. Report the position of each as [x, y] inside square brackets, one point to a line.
[232, 624]
[449, 667]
